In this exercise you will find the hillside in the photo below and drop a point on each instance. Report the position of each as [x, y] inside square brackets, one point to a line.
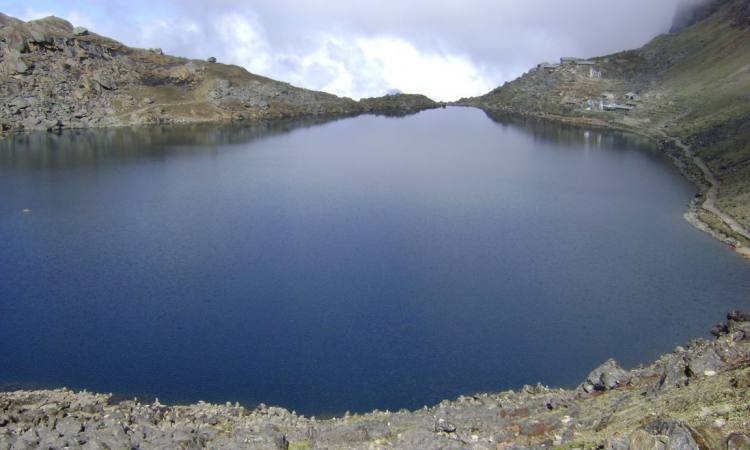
[55, 76]
[689, 89]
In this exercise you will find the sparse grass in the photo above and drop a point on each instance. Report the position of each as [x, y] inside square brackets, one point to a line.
[300, 445]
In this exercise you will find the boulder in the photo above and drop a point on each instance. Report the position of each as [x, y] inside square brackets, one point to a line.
[739, 316]
[606, 377]
[664, 434]
[181, 74]
[739, 321]
[740, 327]
[14, 64]
[44, 31]
[702, 358]
[211, 59]
[80, 31]
[617, 443]
[105, 82]
[443, 426]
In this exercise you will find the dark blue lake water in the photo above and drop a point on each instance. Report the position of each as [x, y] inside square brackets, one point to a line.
[363, 263]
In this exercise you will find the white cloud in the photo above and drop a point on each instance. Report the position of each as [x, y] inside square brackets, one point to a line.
[244, 42]
[443, 48]
[355, 67]
[437, 75]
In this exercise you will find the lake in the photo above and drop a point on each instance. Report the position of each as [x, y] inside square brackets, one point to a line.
[370, 262]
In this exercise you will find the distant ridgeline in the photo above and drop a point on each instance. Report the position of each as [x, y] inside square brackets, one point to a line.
[54, 75]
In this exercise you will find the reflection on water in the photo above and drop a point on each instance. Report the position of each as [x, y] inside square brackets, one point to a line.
[570, 135]
[74, 148]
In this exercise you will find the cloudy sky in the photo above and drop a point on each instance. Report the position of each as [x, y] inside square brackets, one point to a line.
[445, 49]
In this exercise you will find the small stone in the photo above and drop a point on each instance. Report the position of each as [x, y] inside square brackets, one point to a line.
[443, 426]
[709, 373]
[720, 422]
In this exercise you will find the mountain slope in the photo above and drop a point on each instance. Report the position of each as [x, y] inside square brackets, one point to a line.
[53, 75]
[692, 85]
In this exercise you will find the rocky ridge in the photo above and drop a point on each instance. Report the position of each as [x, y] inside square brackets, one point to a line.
[697, 397]
[54, 76]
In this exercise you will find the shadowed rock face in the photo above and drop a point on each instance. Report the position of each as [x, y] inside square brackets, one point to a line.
[646, 408]
[53, 75]
[690, 12]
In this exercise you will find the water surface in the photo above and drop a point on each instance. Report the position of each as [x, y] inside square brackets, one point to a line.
[364, 263]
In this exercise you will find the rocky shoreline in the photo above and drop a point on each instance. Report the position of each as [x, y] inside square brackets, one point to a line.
[54, 76]
[668, 92]
[702, 211]
[695, 397]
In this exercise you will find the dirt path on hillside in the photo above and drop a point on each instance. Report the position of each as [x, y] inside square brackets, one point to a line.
[709, 204]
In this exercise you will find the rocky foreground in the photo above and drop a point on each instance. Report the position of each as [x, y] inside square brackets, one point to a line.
[696, 397]
[54, 75]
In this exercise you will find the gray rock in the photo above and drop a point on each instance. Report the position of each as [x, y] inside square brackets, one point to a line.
[443, 426]
[192, 67]
[39, 34]
[673, 371]
[738, 441]
[701, 358]
[739, 316]
[30, 439]
[424, 440]
[14, 64]
[211, 59]
[105, 82]
[617, 443]
[663, 434]
[739, 321]
[740, 327]
[80, 31]
[606, 377]
[69, 426]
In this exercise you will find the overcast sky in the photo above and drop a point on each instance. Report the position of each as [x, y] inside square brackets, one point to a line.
[445, 49]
